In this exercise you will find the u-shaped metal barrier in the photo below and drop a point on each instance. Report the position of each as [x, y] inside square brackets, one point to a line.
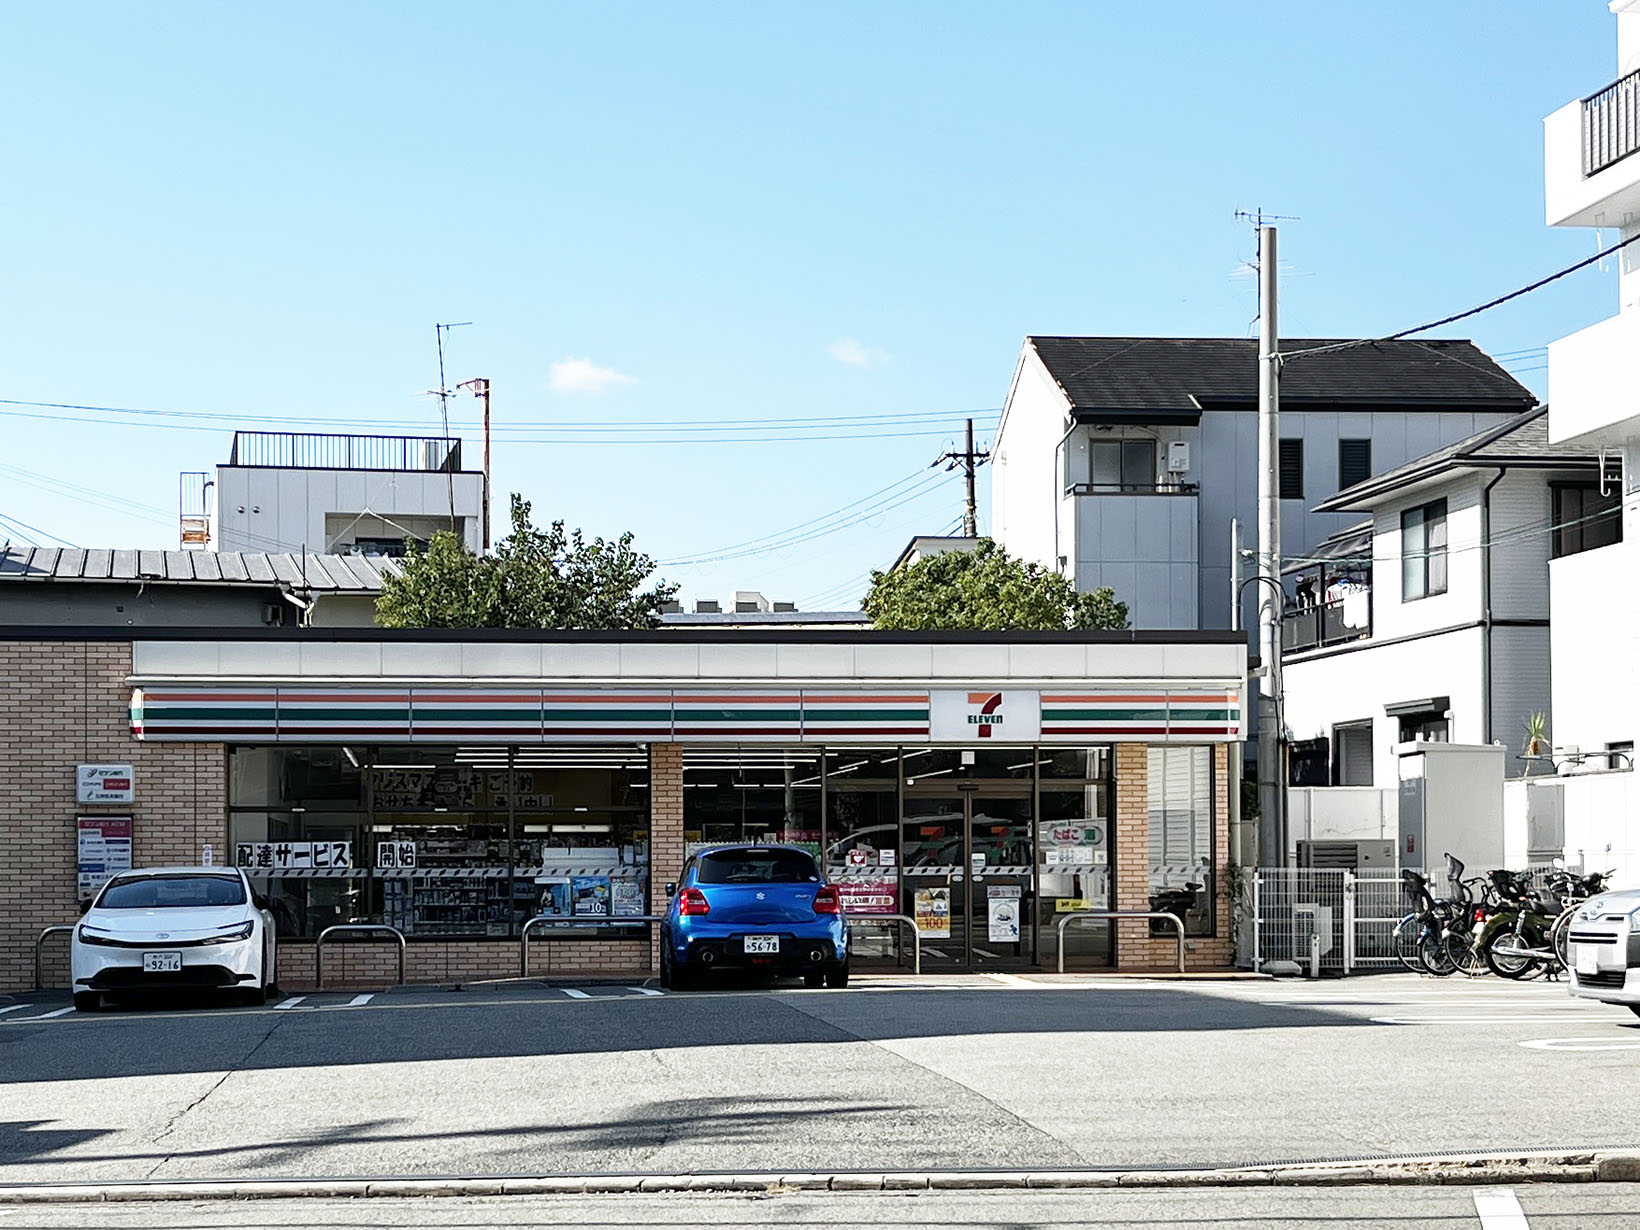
[1101, 915]
[40, 943]
[379, 928]
[866, 920]
[585, 922]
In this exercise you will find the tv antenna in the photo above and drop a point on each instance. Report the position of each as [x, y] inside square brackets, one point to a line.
[444, 408]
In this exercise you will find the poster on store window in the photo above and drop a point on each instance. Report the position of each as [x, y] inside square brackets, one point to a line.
[555, 898]
[590, 895]
[933, 913]
[626, 896]
[870, 894]
[1074, 843]
[1002, 905]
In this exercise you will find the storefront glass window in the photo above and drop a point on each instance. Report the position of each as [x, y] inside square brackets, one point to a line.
[769, 795]
[1181, 837]
[1074, 858]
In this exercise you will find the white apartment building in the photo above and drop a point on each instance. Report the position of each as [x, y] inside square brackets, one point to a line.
[308, 493]
[1122, 460]
[1592, 179]
[1429, 620]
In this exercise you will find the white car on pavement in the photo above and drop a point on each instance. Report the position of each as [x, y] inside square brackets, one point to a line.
[1603, 949]
[174, 928]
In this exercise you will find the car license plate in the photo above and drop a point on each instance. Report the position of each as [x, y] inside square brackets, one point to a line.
[762, 943]
[161, 962]
[1588, 959]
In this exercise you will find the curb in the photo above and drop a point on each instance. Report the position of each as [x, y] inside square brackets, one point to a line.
[1609, 1167]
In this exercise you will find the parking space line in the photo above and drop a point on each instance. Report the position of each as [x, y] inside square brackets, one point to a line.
[646, 990]
[574, 994]
[290, 1001]
[43, 1017]
[1499, 1210]
[13, 1008]
[359, 1001]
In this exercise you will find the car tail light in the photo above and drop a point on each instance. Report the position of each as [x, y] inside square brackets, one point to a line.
[692, 901]
[828, 900]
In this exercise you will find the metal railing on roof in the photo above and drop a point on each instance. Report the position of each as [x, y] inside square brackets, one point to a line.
[317, 451]
[1611, 124]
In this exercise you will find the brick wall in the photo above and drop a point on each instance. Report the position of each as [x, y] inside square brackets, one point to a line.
[64, 703]
[665, 831]
[1136, 948]
[369, 964]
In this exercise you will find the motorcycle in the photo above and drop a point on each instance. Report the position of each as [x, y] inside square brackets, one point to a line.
[1515, 939]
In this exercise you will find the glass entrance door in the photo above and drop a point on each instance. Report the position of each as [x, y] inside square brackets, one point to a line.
[967, 879]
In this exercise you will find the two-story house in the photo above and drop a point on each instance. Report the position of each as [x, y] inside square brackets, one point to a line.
[1121, 461]
[1429, 620]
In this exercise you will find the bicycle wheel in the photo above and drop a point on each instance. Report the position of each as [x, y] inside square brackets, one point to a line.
[1559, 938]
[1434, 953]
[1466, 954]
[1405, 939]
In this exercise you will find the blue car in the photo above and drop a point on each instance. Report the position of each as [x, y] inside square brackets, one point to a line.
[763, 909]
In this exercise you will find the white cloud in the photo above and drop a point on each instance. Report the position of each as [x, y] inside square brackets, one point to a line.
[584, 376]
[847, 350]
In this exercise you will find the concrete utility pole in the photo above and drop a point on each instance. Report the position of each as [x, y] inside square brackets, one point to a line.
[969, 460]
[1272, 793]
[481, 388]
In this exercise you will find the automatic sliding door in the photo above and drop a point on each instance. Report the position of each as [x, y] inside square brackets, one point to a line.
[934, 883]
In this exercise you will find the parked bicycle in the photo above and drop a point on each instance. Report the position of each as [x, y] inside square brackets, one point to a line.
[1438, 935]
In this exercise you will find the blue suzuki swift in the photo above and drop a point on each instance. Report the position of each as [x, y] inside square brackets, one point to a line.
[764, 909]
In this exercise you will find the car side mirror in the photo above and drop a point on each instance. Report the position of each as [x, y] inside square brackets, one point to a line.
[671, 890]
[85, 905]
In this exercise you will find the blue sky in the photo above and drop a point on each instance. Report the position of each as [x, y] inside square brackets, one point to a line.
[660, 216]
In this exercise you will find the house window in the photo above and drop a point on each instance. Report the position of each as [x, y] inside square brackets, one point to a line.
[1290, 470]
[1354, 462]
[1182, 880]
[1423, 551]
[1426, 727]
[1123, 465]
[1352, 754]
[1583, 518]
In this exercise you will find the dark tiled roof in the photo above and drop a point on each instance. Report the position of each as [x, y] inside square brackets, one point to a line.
[1523, 440]
[358, 574]
[1185, 374]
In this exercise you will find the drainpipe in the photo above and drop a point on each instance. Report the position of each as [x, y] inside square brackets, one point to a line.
[1059, 494]
[1486, 605]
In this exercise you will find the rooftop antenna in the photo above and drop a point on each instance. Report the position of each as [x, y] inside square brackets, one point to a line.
[1258, 219]
[444, 408]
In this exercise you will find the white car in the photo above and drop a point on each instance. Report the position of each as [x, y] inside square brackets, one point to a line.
[1603, 951]
[174, 928]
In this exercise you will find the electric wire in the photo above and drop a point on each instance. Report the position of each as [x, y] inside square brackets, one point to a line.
[33, 529]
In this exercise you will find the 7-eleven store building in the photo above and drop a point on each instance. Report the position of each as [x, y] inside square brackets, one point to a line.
[455, 785]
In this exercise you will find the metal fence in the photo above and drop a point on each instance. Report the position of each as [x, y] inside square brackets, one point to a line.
[1611, 124]
[1352, 914]
[318, 451]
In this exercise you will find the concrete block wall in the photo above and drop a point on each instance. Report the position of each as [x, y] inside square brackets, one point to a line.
[64, 703]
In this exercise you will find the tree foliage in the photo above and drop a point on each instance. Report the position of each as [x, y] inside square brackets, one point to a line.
[986, 589]
[552, 578]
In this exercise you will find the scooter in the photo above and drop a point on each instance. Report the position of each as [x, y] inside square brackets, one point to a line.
[1514, 940]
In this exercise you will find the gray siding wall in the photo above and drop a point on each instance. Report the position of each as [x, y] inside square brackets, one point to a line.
[1520, 688]
[77, 604]
[1145, 550]
[1520, 553]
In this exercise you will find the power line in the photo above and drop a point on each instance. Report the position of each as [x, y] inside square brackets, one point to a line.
[35, 530]
[1474, 311]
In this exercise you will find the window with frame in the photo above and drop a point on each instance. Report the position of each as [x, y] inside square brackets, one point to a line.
[1583, 519]
[1182, 875]
[1354, 462]
[1122, 465]
[1290, 470]
[1423, 551]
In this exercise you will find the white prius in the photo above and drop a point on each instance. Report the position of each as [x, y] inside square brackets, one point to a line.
[174, 928]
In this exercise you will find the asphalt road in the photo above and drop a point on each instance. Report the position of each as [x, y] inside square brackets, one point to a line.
[980, 1072]
[1574, 1207]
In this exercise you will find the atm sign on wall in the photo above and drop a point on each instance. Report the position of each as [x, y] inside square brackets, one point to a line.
[104, 783]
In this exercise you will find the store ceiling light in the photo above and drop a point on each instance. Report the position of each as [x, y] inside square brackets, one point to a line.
[582, 828]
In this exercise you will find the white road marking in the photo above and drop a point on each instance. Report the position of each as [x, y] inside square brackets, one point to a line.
[574, 994]
[43, 1017]
[1583, 1044]
[1014, 980]
[646, 990]
[1499, 1210]
[1495, 1019]
[360, 1000]
[290, 1001]
[12, 1008]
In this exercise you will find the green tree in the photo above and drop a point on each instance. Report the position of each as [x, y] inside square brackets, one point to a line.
[551, 578]
[986, 589]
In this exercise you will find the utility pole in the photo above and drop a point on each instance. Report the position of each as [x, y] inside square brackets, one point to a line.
[968, 460]
[481, 388]
[1272, 792]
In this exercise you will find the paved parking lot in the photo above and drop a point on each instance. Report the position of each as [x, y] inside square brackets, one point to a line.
[987, 1071]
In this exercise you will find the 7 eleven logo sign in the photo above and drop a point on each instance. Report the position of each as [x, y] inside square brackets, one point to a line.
[986, 716]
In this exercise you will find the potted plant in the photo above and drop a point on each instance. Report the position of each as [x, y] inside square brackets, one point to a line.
[1537, 740]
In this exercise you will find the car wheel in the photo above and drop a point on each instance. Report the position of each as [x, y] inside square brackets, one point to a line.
[666, 970]
[838, 977]
[87, 1001]
[815, 978]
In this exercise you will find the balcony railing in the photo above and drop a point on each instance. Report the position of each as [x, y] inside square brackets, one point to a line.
[316, 451]
[1611, 124]
[1312, 627]
[1131, 489]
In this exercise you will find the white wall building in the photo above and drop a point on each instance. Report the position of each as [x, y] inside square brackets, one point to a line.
[1592, 179]
[1430, 620]
[285, 492]
[1122, 461]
